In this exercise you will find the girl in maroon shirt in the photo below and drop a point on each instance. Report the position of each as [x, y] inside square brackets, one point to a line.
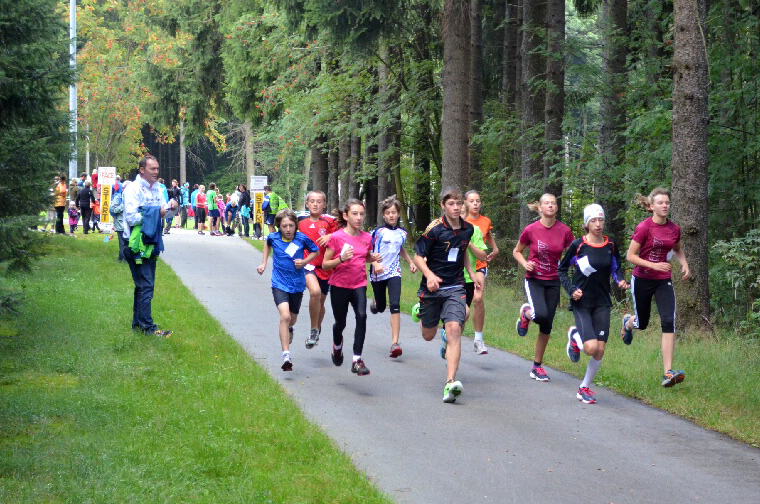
[655, 241]
[545, 239]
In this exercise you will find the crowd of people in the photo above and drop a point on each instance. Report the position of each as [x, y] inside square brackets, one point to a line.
[329, 255]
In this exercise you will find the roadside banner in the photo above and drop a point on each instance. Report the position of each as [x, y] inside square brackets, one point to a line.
[258, 182]
[105, 202]
[258, 211]
[106, 175]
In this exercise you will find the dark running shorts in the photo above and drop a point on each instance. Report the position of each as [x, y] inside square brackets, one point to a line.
[323, 285]
[469, 289]
[482, 270]
[293, 299]
[445, 305]
[213, 213]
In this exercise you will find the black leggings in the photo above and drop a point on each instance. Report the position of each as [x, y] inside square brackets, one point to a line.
[643, 290]
[86, 216]
[592, 323]
[543, 297]
[340, 298]
[59, 220]
[393, 284]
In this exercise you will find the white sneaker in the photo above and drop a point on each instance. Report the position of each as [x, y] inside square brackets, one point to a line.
[451, 391]
[480, 347]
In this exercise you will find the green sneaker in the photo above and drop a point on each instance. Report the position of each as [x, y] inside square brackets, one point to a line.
[451, 391]
[416, 312]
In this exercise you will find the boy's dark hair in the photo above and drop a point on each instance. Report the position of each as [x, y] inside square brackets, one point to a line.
[339, 214]
[267, 188]
[390, 201]
[450, 193]
[286, 213]
[212, 186]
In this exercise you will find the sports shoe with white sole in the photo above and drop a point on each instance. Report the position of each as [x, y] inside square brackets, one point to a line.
[480, 347]
[373, 307]
[287, 364]
[451, 391]
[523, 322]
[539, 374]
[672, 377]
[395, 351]
[416, 312]
[625, 333]
[573, 352]
[586, 395]
[313, 339]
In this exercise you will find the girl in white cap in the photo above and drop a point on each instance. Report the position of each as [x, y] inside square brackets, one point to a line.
[595, 258]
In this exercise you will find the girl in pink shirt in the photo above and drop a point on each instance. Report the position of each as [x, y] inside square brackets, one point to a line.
[348, 252]
[545, 240]
[654, 242]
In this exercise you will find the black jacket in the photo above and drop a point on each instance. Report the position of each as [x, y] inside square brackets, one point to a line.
[85, 197]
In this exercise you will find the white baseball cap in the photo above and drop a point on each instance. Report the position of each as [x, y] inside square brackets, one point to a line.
[592, 211]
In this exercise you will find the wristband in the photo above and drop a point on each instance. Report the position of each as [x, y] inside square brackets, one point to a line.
[340, 258]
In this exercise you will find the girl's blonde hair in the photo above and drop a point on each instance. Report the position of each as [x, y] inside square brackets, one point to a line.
[646, 202]
[536, 205]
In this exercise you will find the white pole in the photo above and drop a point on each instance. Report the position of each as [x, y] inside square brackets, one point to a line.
[73, 88]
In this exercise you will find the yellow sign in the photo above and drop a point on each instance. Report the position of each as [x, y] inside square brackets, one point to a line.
[258, 212]
[105, 203]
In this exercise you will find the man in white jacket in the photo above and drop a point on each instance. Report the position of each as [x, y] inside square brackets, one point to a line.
[143, 193]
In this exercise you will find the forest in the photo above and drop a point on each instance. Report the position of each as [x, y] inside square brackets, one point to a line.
[592, 100]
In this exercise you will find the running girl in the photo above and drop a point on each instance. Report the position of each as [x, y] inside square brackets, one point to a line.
[352, 249]
[595, 258]
[319, 227]
[474, 217]
[654, 242]
[440, 256]
[288, 283]
[545, 239]
[388, 241]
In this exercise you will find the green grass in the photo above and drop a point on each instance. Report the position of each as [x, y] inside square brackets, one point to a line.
[92, 412]
[722, 386]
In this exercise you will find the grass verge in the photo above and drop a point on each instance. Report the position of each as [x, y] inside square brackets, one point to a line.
[722, 386]
[92, 412]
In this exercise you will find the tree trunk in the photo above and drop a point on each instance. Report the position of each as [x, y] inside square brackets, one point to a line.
[456, 93]
[509, 69]
[396, 166]
[689, 159]
[385, 139]
[370, 184]
[354, 165]
[476, 91]
[319, 165]
[533, 70]
[422, 189]
[344, 156]
[302, 190]
[609, 188]
[554, 109]
[250, 165]
[182, 154]
[332, 176]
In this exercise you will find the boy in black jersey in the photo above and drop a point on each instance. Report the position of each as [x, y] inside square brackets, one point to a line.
[441, 256]
[595, 258]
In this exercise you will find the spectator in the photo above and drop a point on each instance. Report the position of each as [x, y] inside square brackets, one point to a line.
[245, 208]
[86, 198]
[59, 202]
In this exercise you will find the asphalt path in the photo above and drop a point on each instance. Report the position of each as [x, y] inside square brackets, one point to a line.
[506, 439]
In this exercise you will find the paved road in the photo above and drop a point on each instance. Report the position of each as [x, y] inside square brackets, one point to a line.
[506, 439]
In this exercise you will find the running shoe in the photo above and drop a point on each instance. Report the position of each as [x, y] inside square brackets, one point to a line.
[480, 347]
[586, 395]
[161, 333]
[444, 343]
[359, 368]
[573, 352]
[416, 312]
[395, 350]
[626, 334]
[451, 391]
[287, 364]
[290, 331]
[337, 356]
[373, 307]
[672, 377]
[523, 322]
[538, 374]
[313, 339]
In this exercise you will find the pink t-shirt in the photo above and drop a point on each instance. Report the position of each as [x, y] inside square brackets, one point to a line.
[350, 274]
[545, 246]
[657, 242]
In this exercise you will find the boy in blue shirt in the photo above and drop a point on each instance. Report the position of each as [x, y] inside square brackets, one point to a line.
[288, 277]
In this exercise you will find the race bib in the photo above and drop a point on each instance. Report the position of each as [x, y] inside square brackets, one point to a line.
[346, 247]
[585, 267]
[291, 249]
[669, 256]
[453, 253]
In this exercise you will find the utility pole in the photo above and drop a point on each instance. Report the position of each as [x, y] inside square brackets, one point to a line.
[73, 88]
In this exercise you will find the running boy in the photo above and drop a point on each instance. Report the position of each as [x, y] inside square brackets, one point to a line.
[440, 254]
[288, 281]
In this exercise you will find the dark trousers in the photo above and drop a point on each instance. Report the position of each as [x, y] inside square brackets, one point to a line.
[340, 299]
[183, 217]
[86, 216]
[122, 244]
[543, 297]
[245, 225]
[59, 220]
[144, 276]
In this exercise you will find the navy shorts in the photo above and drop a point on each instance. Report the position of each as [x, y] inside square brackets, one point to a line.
[323, 285]
[292, 298]
[213, 213]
